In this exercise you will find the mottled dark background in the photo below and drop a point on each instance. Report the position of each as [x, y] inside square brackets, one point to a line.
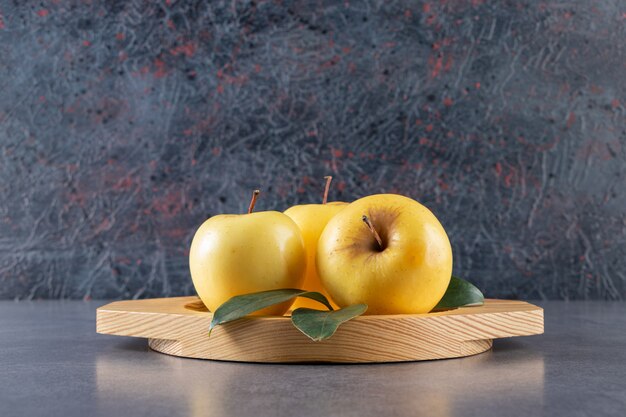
[125, 124]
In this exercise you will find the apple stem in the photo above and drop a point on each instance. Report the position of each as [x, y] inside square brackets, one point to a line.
[328, 179]
[370, 226]
[255, 195]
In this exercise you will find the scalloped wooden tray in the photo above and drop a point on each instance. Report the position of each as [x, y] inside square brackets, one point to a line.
[179, 326]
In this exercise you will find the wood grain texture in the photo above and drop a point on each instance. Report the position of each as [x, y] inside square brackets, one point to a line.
[179, 326]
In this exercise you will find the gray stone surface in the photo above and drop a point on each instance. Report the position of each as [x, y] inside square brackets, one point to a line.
[125, 124]
[52, 363]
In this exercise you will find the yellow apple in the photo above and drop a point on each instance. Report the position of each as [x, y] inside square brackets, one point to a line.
[311, 219]
[239, 254]
[387, 251]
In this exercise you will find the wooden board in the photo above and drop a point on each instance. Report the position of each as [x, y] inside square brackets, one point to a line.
[179, 326]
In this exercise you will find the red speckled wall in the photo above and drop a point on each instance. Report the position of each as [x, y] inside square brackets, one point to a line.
[123, 125]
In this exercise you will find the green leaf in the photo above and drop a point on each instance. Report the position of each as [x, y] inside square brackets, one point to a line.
[319, 325]
[460, 293]
[242, 305]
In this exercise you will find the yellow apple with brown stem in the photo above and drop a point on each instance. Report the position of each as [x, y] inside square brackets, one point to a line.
[387, 251]
[311, 219]
[240, 254]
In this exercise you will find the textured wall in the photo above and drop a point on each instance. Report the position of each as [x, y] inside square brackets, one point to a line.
[123, 125]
